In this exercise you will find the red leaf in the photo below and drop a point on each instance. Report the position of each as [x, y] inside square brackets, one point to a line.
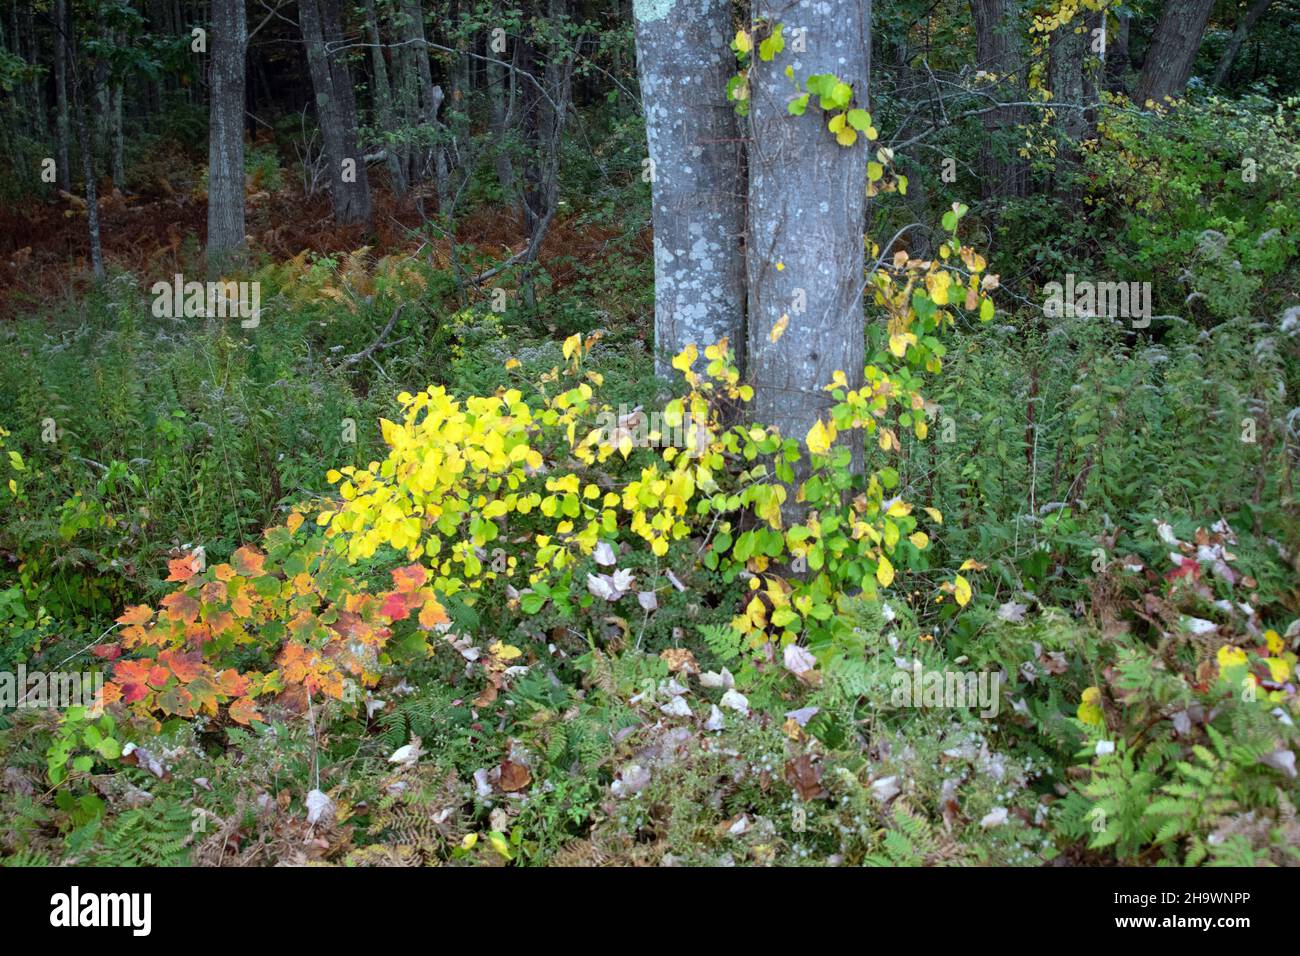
[409, 578]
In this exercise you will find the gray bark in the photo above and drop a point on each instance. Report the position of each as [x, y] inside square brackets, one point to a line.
[1169, 59]
[684, 61]
[1067, 52]
[229, 42]
[430, 102]
[61, 97]
[335, 111]
[997, 42]
[1256, 10]
[807, 197]
[383, 97]
[500, 81]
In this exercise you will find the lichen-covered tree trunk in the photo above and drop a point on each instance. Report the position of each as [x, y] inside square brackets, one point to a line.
[807, 196]
[336, 112]
[1169, 59]
[1067, 52]
[997, 42]
[697, 185]
[383, 97]
[226, 131]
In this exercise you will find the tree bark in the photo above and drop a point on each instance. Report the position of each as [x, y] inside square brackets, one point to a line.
[1256, 10]
[1066, 53]
[807, 196]
[500, 81]
[61, 96]
[1118, 61]
[86, 139]
[697, 176]
[226, 131]
[335, 111]
[383, 97]
[430, 102]
[1174, 45]
[997, 41]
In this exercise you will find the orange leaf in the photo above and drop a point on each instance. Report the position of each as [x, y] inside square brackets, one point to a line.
[182, 569]
[244, 711]
[248, 561]
[140, 614]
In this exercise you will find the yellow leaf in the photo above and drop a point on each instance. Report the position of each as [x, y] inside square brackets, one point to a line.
[885, 572]
[935, 515]
[820, 437]
[743, 43]
[1090, 711]
[498, 841]
[919, 539]
[962, 593]
[686, 358]
[778, 330]
[504, 652]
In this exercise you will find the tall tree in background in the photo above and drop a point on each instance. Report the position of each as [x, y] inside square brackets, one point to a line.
[336, 110]
[1169, 58]
[226, 131]
[998, 51]
[1246, 21]
[684, 60]
[385, 118]
[807, 197]
[61, 96]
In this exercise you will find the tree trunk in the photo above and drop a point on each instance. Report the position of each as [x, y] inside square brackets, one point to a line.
[1118, 61]
[997, 41]
[61, 96]
[500, 80]
[117, 134]
[335, 111]
[383, 97]
[697, 180]
[86, 144]
[226, 131]
[430, 102]
[1256, 10]
[1174, 45]
[807, 197]
[1067, 52]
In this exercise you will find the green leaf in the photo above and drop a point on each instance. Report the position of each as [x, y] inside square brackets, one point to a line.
[860, 120]
[798, 105]
[773, 45]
